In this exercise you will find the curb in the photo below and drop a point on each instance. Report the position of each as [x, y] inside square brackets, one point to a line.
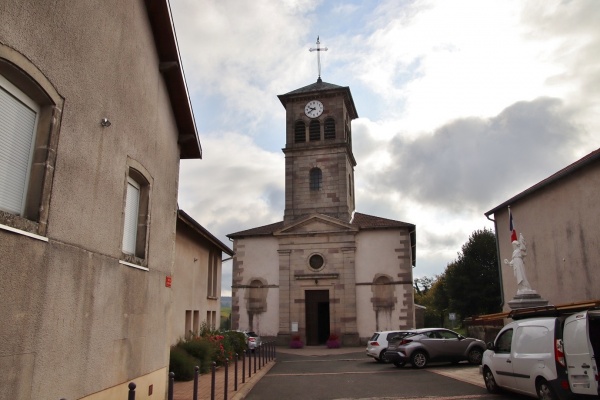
[249, 385]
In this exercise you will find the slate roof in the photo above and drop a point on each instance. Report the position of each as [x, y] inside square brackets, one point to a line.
[362, 221]
[582, 162]
[319, 87]
[202, 231]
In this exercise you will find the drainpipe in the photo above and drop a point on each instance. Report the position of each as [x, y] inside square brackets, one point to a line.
[498, 260]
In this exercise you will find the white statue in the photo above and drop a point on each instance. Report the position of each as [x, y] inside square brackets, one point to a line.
[519, 253]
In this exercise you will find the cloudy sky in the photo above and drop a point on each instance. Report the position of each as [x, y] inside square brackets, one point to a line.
[462, 104]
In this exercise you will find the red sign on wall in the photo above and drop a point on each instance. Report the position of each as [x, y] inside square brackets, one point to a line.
[168, 281]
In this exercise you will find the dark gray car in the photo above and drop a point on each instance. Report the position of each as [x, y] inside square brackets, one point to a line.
[434, 344]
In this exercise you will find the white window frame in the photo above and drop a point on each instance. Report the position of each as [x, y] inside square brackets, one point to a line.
[23, 170]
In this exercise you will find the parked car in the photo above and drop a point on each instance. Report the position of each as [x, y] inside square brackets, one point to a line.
[549, 357]
[377, 345]
[434, 344]
[252, 340]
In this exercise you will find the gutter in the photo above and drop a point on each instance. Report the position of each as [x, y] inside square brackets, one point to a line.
[498, 261]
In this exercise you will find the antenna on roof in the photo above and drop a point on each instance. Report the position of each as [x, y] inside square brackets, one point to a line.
[318, 50]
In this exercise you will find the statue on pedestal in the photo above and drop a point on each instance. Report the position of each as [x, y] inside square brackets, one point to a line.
[519, 253]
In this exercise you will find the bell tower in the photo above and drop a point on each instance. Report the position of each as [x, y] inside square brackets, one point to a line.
[319, 164]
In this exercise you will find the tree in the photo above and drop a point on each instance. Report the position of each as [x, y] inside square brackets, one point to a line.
[472, 282]
[422, 285]
[431, 293]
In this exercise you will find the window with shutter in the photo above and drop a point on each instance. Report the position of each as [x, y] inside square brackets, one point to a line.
[136, 214]
[30, 117]
[18, 123]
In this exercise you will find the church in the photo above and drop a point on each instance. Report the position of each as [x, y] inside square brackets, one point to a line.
[325, 269]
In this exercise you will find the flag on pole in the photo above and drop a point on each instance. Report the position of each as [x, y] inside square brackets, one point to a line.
[511, 227]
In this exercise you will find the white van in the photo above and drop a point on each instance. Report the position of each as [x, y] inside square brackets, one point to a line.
[549, 357]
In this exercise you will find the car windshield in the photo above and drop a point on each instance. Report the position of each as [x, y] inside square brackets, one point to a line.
[251, 334]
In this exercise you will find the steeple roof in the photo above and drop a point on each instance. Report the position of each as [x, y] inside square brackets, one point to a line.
[320, 87]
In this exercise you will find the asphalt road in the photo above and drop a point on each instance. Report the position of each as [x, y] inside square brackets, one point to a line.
[355, 376]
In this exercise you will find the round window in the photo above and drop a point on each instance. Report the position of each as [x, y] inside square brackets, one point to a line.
[316, 261]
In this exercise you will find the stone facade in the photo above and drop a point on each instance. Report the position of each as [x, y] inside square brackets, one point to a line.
[324, 269]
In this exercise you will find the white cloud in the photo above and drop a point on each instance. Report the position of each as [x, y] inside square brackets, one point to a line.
[464, 104]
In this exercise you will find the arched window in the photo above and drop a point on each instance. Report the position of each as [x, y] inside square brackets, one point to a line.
[299, 132]
[383, 293]
[30, 116]
[329, 129]
[257, 297]
[314, 130]
[136, 213]
[316, 179]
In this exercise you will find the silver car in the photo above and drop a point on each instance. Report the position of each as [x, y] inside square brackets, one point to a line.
[435, 344]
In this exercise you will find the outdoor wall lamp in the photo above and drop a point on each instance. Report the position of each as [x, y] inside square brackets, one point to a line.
[105, 123]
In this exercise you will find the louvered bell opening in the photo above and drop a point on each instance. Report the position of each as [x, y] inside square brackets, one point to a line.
[300, 132]
[314, 131]
[329, 129]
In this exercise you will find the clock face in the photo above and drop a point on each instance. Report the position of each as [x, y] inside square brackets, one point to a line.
[313, 109]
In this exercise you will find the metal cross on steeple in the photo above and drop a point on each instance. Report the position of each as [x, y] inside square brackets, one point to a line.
[318, 50]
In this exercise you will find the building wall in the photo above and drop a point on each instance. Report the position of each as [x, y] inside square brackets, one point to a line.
[190, 283]
[383, 255]
[256, 259]
[560, 225]
[74, 320]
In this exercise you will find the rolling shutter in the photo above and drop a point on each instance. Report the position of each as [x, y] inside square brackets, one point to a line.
[17, 128]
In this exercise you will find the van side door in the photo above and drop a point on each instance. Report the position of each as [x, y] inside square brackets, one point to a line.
[533, 356]
[502, 360]
[579, 353]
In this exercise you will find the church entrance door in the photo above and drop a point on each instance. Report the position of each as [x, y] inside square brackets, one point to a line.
[317, 317]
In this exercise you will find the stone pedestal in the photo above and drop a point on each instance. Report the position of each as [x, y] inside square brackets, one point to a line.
[527, 300]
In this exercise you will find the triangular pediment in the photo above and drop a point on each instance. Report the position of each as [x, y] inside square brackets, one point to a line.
[315, 224]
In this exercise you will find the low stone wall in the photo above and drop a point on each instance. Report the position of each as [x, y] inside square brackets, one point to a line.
[484, 329]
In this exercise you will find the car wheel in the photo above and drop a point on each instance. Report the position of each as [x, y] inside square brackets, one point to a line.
[544, 391]
[475, 356]
[490, 382]
[382, 358]
[399, 364]
[418, 359]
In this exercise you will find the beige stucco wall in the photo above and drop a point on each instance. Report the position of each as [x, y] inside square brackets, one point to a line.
[190, 280]
[256, 258]
[74, 321]
[352, 260]
[560, 225]
[388, 253]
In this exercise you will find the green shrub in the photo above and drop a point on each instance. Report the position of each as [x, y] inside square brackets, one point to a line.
[235, 341]
[182, 364]
[201, 349]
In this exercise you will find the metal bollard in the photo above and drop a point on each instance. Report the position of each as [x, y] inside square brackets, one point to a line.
[254, 356]
[236, 373]
[225, 386]
[196, 373]
[212, 381]
[244, 366]
[250, 364]
[171, 385]
[131, 394]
